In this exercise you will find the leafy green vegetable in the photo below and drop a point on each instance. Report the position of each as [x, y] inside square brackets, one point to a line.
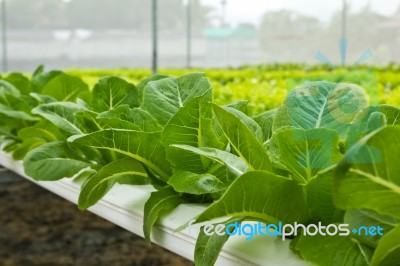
[102, 181]
[62, 115]
[191, 125]
[111, 92]
[369, 119]
[243, 140]
[319, 192]
[234, 163]
[8, 88]
[198, 184]
[321, 105]
[208, 247]
[164, 97]
[357, 218]
[65, 88]
[142, 146]
[20, 82]
[40, 78]
[123, 117]
[371, 168]
[265, 121]
[160, 201]
[325, 155]
[261, 195]
[331, 250]
[15, 114]
[388, 250]
[239, 105]
[54, 160]
[36, 135]
[307, 152]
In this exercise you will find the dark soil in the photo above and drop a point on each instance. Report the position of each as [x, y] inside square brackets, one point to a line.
[40, 228]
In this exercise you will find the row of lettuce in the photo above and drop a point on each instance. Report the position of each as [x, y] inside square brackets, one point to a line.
[325, 155]
[268, 85]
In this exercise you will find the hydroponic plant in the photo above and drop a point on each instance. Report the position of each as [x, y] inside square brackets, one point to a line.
[325, 156]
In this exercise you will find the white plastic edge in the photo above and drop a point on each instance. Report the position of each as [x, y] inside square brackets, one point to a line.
[124, 204]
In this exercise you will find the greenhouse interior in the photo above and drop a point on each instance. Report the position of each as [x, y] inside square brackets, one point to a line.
[200, 132]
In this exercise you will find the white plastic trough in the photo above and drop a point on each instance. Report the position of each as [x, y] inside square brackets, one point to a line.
[124, 204]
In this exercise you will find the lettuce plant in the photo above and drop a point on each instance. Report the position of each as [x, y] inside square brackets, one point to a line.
[324, 156]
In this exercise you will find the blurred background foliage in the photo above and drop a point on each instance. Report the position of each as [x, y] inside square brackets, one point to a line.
[266, 86]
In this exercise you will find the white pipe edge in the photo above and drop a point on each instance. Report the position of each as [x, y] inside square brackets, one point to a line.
[124, 204]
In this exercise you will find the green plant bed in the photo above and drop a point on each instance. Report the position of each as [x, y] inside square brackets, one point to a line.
[325, 158]
[265, 87]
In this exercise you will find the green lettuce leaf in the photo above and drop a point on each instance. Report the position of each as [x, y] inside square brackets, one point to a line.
[243, 140]
[387, 252]
[62, 115]
[234, 163]
[321, 105]
[101, 182]
[207, 248]
[54, 160]
[159, 202]
[331, 250]
[111, 92]
[191, 125]
[371, 169]
[261, 195]
[197, 184]
[164, 97]
[142, 146]
[65, 88]
[306, 152]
